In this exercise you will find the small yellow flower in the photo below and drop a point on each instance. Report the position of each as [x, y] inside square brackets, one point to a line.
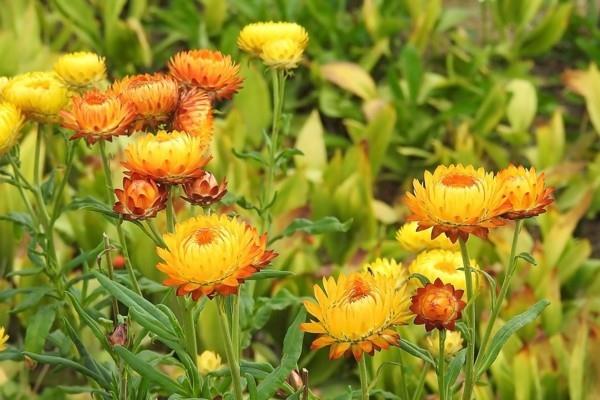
[283, 53]
[40, 95]
[3, 338]
[80, 69]
[208, 362]
[414, 240]
[11, 121]
[452, 345]
[388, 268]
[442, 264]
[3, 82]
[526, 192]
[278, 44]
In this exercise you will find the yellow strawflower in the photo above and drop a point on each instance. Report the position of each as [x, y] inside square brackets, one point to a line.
[3, 338]
[526, 192]
[442, 264]
[283, 53]
[452, 345]
[278, 44]
[3, 82]
[11, 121]
[414, 240]
[388, 268]
[39, 95]
[208, 362]
[80, 69]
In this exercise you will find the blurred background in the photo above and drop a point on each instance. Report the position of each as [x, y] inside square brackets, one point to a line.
[388, 88]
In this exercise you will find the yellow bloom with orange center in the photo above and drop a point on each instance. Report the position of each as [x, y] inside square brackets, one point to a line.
[194, 114]
[437, 305]
[154, 96]
[208, 362]
[442, 264]
[387, 267]
[357, 314]
[80, 69]
[140, 198]
[39, 95]
[526, 192]
[414, 240]
[167, 157]
[452, 345]
[212, 254]
[3, 338]
[457, 201]
[98, 116]
[11, 121]
[209, 70]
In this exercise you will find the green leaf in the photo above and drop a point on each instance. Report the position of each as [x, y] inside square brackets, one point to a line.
[250, 155]
[412, 70]
[323, 225]
[82, 19]
[90, 321]
[292, 348]
[504, 333]
[83, 258]
[92, 204]
[416, 351]
[350, 77]
[454, 368]
[269, 274]
[577, 364]
[38, 328]
[422, 278]
[528, 258]
[63, 362]
[548, 31]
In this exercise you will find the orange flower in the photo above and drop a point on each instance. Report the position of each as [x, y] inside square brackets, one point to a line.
[437, 305]
[209, 70]
[140, 198]
[194, 114]
[526, 192]
[98, 116]
[154, 96]
[205, 190]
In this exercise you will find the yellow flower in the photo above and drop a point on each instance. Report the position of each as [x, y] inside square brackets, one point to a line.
[283, 53]
[414, 240]
[167, 157]
[279, 44]
[357, 314]
[452, 345]
[457, 201]
[3, 338]
[11, 121]
[80, 69]
[526, 192]
[212, 254]
[388, 268]
[40, 95]
[442, 264]
[208, 362]
[3, 82]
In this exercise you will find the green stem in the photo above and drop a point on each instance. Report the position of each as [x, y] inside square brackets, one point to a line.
[441, 365]
[468, 388]
[110, 271]
[234, 366]
[235, 325]
[36, 160]
[512, 266]
[403, 387]
[18, 180]
[63, 183]
[155, 232]
[364, 378]
[421, 382]
[170, 211]
[189, 327]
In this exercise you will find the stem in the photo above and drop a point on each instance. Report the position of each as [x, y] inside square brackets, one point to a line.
[36, 160]
[235, 326]
[441, 365]
[155, 232]
[189, 327]
[468, 389]
[234, 366]
[512, 266]
[19, 187]
[61, 188]
[421, 383]
[110, 269]
[403, 387]
[364, 378]
[170, 211]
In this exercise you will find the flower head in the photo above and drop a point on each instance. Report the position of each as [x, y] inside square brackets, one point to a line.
[154, 96]
[452, 345]
[98, 116]
[11, 121]
[457, 201]
[357, 314]
[388, 268]
[442, 264]
[167, 157]
[437, 305]
[208, 362]
[204, 190]
[209, 70]
[212, 254]
[526, 192]
[140, 198]
[39, 95]
[194, 114]
[282, 54]
[414, 240]
[80, 69]
[3, 338]
[253, 37]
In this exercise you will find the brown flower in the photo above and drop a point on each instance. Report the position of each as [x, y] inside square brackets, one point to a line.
[119, 336]
[205, 190]
[437, 305]
[140, 198]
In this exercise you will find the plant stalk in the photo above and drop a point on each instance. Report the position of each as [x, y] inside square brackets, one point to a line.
[364, 378]
[469, 362]
[441, 365]
[234, 366]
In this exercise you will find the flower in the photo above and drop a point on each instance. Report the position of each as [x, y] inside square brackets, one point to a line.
[39, 95]
[11, 121]
[457, 201]
[283, 54]
[80, 69]
[357, 314]
[3, 338]
[140, 198]
[194, 114]
[167, 157]
[208, 362]
[388, 268]
[414, 240]
[452, 345]
[444, 265]
[154, 96]
[253, 37]
[210, 70]
[98, 115]
[204, 190]
[437, 305]
[526, 192]
[212, 254]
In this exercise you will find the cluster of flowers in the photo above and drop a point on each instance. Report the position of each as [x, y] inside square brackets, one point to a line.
[359, 312]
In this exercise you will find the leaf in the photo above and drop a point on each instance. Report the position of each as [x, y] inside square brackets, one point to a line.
[522, 106]
[378, 134]
[92, 204]
[422, 278]
[410, 60]
[38, 328]
[587, 84]
[548, 31]
[83, 258]
[292, 348]
[454, 368]
[577, 366]
[528, 258]
[63, 362]
[90, 321]
[507, 330]
[250, 155]
[491, 111]
[350, 77]
[311, 142]
[82, 19]
[323, 225]
[269, 274]
[416, 351]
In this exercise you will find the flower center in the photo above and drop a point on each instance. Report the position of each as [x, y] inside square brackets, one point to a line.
[39, 85]
[459, 180]
[359, 290]
[204, 236]
[446, 266]
[439, 305]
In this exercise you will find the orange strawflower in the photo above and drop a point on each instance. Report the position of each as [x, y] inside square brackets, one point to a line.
[437, 305]
[98, 115]
[194, 114]
[209, 70]
[204, 190]
[525, 191]
[140, 198]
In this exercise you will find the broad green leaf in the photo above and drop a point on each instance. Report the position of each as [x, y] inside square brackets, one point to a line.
[548, 32]
[378, 134]
[254, 103]
[550, 137]
[454, 368]
[214, 14]
[412, 70]
[311, 143]
[350, 77]
[491, 111]
[522, 106]
[577, 363]
[38, 328]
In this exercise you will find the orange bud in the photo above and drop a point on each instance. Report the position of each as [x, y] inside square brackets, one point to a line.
[140, 198]
[437, 305]
[205, 190]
